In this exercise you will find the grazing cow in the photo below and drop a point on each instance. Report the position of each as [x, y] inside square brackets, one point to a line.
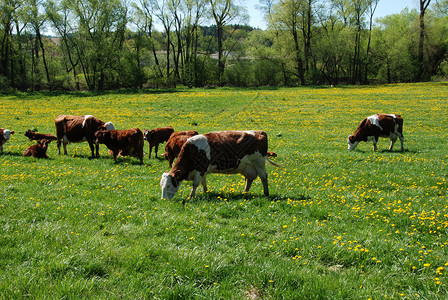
[175, 143]
[5, 135]
[73, 129]
[38, 150]
[229, 152]
[157, 136]
[122, 142]
[375, 126]
[33, 135]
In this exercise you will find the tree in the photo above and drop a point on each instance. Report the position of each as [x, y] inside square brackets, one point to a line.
[37, 21]
[99, 38]
[223, 12]
[423, 4]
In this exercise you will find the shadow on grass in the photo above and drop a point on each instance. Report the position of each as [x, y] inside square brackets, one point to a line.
[11, 153]
[84, 94]
[215, 197]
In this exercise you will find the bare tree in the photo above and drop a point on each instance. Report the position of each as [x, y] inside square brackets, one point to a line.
[423, 6]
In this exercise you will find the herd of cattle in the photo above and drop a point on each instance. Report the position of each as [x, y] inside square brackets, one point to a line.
[230, 152]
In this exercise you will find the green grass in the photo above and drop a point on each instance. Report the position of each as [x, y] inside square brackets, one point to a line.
[338, 224]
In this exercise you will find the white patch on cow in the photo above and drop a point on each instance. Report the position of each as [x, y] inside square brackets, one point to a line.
[392, 115]
[251, 132]
[374, 120]
[85, 118]
[7, 134]
[109, 126]
[201, 142]
[168, 189]
[254, 161]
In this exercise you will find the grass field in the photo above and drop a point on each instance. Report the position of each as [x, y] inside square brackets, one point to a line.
[338, 224]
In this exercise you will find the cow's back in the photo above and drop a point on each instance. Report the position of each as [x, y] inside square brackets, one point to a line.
[228, 148]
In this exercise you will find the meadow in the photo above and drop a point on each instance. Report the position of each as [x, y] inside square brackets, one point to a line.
[339, 224]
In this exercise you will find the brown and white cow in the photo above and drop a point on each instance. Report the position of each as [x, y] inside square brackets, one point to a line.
[175, 143]
[73, 129]
[38, 150]
[5, 135]
[157, 136]
[122, 142]
[33, 135]
[375, 126]
[229, 152]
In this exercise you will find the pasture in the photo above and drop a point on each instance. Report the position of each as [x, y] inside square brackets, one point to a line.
[338, 224]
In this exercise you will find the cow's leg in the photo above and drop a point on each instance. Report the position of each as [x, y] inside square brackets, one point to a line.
[392, 142]
[204, 183]
[150, 150]
[401, 141]
[59, 146]
[261, 171]
[97, 148]
[140, 155]
[248, 185]
[197, 179]
[92, 148]
[64, 144]
[374, 141]
[156, 149]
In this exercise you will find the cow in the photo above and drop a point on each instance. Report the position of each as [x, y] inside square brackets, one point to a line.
[5, 135]
[228, 152]
[33, 135]
[38, 150]
[122, 142]
[375, 126]
[157, 136]
[73, 129]
[175, 143]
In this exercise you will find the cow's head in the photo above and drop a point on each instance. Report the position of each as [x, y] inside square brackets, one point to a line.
[100, 137]
[148, 135]
[7, 134]
[352, 143]
[44, 143]
[30, 133]
[170, 185]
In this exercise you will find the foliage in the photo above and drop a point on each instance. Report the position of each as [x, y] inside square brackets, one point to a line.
[338, 224]
[104, 45]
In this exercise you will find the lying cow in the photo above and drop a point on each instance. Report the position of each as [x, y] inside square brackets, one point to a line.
[230, 152]
[38, 150]
[175, 143]
[157, 136]
[5, 135]
[33, 135]
[122, 142]
[375, 126]
[73, 129]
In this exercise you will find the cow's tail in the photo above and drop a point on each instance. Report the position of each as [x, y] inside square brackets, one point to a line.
[272, 163]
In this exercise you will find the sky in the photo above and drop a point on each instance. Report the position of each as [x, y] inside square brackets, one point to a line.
[384, 8]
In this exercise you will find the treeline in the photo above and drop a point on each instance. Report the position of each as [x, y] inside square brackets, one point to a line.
[110, 44]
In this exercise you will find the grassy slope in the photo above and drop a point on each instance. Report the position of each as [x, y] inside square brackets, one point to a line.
[339, 224]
